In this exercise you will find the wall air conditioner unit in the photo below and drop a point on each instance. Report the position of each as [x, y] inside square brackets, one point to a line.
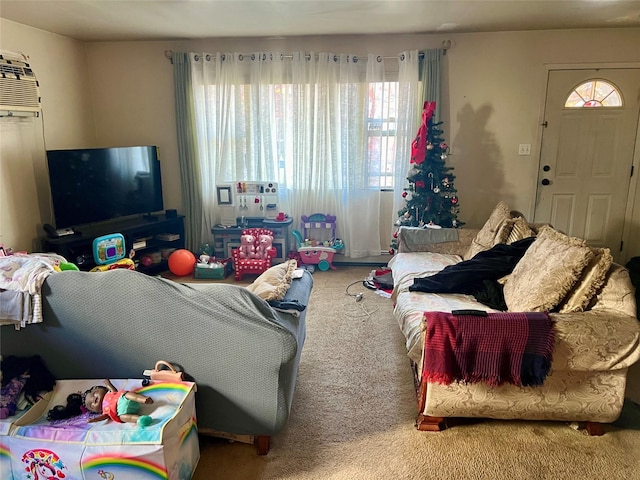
[19, 92]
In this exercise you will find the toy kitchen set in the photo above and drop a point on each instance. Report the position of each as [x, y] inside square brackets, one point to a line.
[249, 205]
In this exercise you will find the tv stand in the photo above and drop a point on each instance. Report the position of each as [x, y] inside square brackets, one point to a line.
[151, 218]
[141, 234]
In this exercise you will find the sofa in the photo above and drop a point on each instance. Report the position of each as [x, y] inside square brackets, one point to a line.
[242, 353]
[589, 300]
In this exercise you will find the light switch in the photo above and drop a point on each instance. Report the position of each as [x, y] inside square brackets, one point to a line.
[524, 149]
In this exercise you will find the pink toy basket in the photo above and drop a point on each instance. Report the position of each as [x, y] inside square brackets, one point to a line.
[319, 255]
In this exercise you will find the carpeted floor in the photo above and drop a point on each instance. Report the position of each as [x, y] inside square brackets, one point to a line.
[354, 408]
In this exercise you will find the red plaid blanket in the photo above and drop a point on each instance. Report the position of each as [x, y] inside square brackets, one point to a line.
[498, 348]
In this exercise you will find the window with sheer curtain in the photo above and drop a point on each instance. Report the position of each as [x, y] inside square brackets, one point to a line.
[332, 130]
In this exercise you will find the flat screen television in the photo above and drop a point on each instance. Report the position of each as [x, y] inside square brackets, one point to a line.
[98, 184]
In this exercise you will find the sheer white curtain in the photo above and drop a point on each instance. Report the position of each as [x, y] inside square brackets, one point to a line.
[306, 121]
[409, 104]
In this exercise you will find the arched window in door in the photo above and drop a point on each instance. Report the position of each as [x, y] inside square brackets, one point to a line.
[594, 93]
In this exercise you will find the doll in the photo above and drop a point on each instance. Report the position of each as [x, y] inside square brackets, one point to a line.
[118, 405]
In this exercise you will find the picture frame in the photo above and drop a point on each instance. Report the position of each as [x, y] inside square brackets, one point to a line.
[224, 195]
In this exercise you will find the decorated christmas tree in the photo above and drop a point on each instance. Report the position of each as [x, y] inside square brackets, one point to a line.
[431, 199]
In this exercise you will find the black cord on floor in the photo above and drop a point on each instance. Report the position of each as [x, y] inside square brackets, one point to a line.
[357, 296]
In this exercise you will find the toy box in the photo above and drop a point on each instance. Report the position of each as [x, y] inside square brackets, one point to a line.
[206, 270]
[33, 447]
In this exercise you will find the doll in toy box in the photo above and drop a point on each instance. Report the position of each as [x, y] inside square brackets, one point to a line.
[76, 448]
[107, 401]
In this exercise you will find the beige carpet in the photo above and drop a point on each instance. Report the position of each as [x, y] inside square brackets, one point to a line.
[354, 408]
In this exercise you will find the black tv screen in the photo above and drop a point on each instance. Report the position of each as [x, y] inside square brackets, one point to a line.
[98, 184]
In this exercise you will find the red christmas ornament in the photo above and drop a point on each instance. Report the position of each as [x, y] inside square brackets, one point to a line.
[392, 251]
[420, 184]
[395, 234]
[404, 194]
[454, 200]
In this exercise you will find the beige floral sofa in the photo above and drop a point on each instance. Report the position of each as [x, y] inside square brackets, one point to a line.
[591, 302]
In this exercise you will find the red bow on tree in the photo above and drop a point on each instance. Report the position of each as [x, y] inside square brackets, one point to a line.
[419, 145]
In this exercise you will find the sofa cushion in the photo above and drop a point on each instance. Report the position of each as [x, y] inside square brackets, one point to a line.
[547, 272]
[490, 233]
[273, 283]
[592, 279]
[518, 229]
[617, 293]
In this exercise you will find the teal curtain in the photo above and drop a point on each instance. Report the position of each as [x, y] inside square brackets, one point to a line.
[431, 79]
[188, 151]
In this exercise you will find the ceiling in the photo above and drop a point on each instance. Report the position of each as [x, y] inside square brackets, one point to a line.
[117, 20]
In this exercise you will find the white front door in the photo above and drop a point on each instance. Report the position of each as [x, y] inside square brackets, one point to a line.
[586, 158]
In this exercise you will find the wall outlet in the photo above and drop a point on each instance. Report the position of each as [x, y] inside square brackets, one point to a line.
[524, 149]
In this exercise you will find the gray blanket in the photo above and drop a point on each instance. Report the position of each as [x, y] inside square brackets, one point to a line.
[412, 238]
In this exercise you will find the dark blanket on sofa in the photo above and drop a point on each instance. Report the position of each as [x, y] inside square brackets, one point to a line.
[477, 276]
[495, 348]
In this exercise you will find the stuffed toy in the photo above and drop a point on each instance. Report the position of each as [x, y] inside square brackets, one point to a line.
[264, 245]
[247, 246]
[118, 405]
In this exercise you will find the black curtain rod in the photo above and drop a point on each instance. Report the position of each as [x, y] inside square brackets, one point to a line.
[445, 46]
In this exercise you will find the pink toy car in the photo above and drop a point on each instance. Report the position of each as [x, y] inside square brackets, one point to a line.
[321, 256]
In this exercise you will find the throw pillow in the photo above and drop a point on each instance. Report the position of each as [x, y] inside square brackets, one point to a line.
[592, 280]
[519, 230]
[272, 284]
[488, 235]
[547, 272]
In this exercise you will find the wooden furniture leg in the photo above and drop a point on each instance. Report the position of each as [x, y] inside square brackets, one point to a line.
[594, 429]
[262, 444]
[426, 423]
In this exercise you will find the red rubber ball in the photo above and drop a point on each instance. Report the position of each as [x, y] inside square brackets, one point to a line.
[182, 262]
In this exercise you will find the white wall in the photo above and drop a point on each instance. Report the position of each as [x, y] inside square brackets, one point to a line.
[493, 102]
[493, 98]
[497, 89]
[66, 122]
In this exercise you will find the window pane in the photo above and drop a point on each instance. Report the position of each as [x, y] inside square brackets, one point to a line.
[381, 130]
[602, 90]
[594, 93]
[613, 100]
[586, 90]
[574, 100]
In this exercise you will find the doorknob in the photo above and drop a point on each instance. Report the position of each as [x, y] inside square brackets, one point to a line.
[545, 181]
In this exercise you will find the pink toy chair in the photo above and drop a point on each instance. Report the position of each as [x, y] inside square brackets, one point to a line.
[253, 266]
